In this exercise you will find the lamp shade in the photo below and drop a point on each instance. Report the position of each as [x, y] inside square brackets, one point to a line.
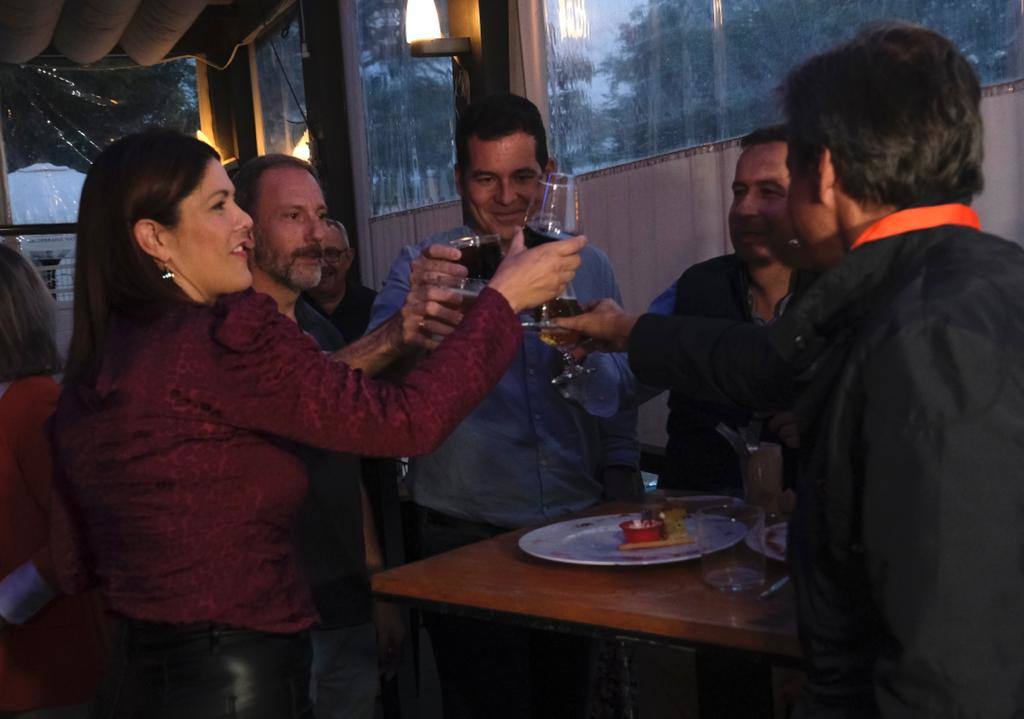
[421, 21]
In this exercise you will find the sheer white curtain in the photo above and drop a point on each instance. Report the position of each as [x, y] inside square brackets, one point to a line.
[1000, 205]
[389, 233]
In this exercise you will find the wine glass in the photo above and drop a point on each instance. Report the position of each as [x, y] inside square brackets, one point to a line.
[481, 254]
[562, 339]
[556, 214]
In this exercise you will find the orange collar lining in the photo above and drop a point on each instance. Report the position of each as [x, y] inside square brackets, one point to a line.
[919, 218]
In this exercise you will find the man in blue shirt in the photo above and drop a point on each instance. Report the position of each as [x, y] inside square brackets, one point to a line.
[531, 452]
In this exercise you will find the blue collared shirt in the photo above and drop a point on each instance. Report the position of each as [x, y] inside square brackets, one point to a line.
[665, 303]
[527, 453]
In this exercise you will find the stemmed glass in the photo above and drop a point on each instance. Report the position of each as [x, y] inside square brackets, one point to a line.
[562, 339]
[556, 216]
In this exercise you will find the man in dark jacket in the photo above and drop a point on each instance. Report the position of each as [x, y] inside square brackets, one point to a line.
[907, 361]
[752, 284]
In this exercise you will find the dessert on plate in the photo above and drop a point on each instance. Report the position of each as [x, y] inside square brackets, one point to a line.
[664, 527]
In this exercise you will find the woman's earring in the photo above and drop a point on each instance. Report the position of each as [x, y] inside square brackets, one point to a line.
[168, 274]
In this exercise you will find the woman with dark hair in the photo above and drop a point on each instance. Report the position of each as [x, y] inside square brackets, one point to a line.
[48, 662]
[185, 395]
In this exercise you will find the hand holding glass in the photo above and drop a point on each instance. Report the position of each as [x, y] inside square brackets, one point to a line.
[527, 278]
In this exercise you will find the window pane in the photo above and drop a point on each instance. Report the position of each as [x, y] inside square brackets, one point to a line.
[410, 112]
[628, 79]
[282, 94]
[55, 120]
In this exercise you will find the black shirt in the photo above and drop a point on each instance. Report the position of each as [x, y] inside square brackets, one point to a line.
[330, 524]
[697, 457]
[352, 314]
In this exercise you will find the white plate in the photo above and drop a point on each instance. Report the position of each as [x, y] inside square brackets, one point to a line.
[596, 540]
[771, 542]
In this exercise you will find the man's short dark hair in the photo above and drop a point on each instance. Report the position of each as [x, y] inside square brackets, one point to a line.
[898, 107]
[247, 177]
[498, 116]
[764, 135]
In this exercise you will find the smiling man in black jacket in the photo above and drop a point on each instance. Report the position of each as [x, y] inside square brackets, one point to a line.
[906, 360]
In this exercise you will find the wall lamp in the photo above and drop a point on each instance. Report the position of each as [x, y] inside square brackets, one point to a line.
[423, 32]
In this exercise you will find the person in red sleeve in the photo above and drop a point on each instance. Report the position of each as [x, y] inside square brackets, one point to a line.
[906, 360]
[186, 395]
[50, 660]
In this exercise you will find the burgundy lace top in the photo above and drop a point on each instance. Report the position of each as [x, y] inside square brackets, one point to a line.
[176, 480]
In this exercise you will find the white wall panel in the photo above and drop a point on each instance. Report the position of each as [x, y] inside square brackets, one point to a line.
[1000, 205]
[388, 234]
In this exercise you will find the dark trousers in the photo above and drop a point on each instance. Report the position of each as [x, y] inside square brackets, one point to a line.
[204, 671]
[497, 670]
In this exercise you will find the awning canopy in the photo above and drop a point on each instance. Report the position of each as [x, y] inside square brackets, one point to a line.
[146, 30]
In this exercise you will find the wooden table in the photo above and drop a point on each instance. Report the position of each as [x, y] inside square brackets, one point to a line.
[668, 604]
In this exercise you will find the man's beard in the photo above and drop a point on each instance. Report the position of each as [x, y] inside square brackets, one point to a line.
[285, 270]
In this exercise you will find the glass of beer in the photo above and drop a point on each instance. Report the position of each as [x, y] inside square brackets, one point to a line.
[481, 254]
[562, 339]
[556, 214]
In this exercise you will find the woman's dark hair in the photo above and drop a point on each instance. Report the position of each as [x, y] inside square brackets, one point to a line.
[898, 107]
[26, 320]
[498, 116]
[141, 176]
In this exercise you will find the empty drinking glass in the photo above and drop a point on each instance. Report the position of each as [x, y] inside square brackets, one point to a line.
[727, 562]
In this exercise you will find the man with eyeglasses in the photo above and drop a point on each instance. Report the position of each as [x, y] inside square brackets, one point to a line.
[346, 304]
[529, 453]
